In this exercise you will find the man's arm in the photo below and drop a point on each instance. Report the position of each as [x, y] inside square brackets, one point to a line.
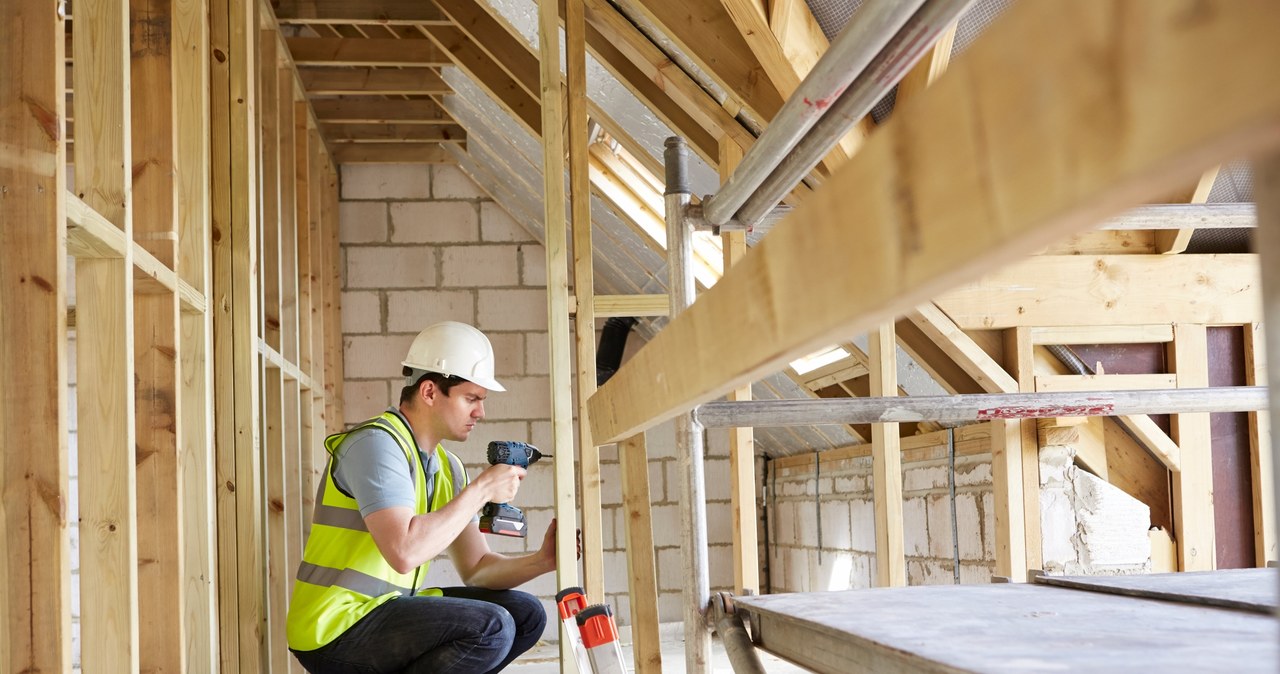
[481, 567]
[407, 541]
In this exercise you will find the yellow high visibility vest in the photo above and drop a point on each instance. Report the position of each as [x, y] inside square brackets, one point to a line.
[343, 576]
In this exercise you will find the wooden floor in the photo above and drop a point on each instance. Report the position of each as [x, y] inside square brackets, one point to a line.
[1191, 622]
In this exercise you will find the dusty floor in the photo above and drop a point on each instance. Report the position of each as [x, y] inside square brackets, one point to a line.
[544, 659]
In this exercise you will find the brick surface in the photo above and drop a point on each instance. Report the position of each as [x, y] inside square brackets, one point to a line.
[508, 354]
[939, 514]
[434, 222]
[523, 309]
[969, 527]
[915, 527]
[449, 182]
[374, 356]
[364, 399]
[836, 529]
[525, 398]
[533, 266]
[537, 353]
[498, 225]
[668, 527]
[361, 312]
[863, 519]
[719, 526]
[386, 181]
[412, 310]
[391, 267]
[479, 266]
[670, 569]
[362, 222]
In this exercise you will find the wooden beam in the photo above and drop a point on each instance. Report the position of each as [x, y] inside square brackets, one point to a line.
[337, 51]
[1020, 360]
[1260, 457]
[389, 153]
[1193, 484]
[1267, 189]
[961, 348]
[362, 111]
[608, 306]
[807, 259]
[928, 69]
[1103, 382]
[1103, 334]
[485, 68]
[557, 294]
[394, 133]
[329, 81]
[1185, 216]
[1169, 242]
[35, 567]
[642, 572]
[1111, 290]
[334, 367]
[886, 462]
[381, 13]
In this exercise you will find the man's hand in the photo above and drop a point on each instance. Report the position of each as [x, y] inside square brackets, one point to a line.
[548, 549]
[500, 482]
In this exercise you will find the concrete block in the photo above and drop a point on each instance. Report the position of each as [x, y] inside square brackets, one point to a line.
[974, 474]
[479, 266]
[434, 222]
[784, 524]
[533, 266]
[716, 475]
[374, 356]
[837, 532]
[361, 312]
[508, 354]
[825, 486]
[851, 484]
[525, 398]
[537, 353]
[514, 310]
[807, 523]
[988, 525]
[976, 574]
[488, 430]
[668, 527]
[362, 222]
[449, 182]
[1055, 463]
[498, 225]
[670, 607]
[969, 526]
[717, 442]
[386, 181]
[939, 515]
[391, 267]
[915, 527]
[538, 488]
[798, 575]
[719, 524]
[364, 399]
[657, 482]
[778, 568]
[720, 568]
[661, 440]
[861, 572]
[412, 310]
[610, 474]
[615, 572]
[674, 479]
[801, 488]
[443, 574]
[1058, 528]
[540, 434]
[670, 569]
[542, 586]
[862, 518]
[1113, 526]
[925, 478]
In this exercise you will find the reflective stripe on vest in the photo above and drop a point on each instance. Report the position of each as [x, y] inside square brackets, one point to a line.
[343, 576]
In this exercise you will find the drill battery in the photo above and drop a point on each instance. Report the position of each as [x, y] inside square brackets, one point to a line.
[503, 519]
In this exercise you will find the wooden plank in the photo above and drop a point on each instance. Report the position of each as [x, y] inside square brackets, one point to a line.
[361, 111]
[886, 462]
[104, 344]
[233, 32]
[1170, 242]
[1020, 353]
[330, 81]
[808, 260]
[1080, 291]
[303, 186]
[1185, 216]
[191, 120]
[279, 575]
[988, 627]
[35, 567]
[1104, 382]
[338, 51]
[1260, 456]
[742, 446]
[381, 13]
[1098, 334]
[1193, 484]
[398, 153]
[608, 306]
[584, 286]
[1267, 184]
[394, 133]
[928, 69]
[161, 598]
[961, 348]
[642, 572]
[333, 374]
[1242, 589]
[269, 194]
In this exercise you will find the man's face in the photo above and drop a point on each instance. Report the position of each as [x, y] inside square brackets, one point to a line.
[461, 410]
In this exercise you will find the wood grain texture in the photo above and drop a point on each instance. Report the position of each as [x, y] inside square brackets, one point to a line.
[1193, 482]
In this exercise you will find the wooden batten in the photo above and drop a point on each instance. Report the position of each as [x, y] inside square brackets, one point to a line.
[886, 463]
[642, 571]
[1193, 484]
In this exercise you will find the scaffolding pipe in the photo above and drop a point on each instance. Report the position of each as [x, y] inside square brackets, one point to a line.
[980, 407]
[735, 637]
[871, 27]
[889, 67]
[689, 442]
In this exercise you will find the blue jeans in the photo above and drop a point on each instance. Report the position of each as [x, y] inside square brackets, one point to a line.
[469, 630]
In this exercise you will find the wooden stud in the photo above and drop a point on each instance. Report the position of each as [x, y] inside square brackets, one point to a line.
[886, 461]
[939, 244]
[517, 96]
[336, 51]
[1260, 457]
[1193, 484]
[391, 153]
[1267, 189]
[742, 452]
[394, 133]
[332, 296]
[306, 332]
[1006, 474]
[642, 572]
[383, 13]
[1021, 353]
[1169, 242]
[336, 81]
[35, 566]
[369, 111]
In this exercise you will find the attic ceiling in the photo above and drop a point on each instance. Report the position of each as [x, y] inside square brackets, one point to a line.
[456, 81]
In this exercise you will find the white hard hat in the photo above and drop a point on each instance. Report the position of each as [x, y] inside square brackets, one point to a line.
[455, 349]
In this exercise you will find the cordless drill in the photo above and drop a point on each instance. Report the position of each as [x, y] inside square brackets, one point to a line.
[505, 519]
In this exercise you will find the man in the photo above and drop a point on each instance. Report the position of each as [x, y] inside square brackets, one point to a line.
[392, 500]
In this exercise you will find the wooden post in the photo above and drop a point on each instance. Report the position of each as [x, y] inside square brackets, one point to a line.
[584, 290]
[1193, 484]
[1020, 351]
[886, 461]
[1264, 489]
[557, 297]
[35, 566]
[642, 572]
[742, 454]
[332, 292]
[104, 343]
[1266, 182]
[233, 35]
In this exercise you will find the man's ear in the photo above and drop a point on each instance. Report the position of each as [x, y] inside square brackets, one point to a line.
[427, 391]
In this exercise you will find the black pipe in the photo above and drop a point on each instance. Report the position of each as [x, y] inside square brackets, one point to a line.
[613, 342]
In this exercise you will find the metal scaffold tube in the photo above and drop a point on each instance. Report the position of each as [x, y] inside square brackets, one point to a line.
[866, 34]
[689, 442]
[921, 31]
[980, 407]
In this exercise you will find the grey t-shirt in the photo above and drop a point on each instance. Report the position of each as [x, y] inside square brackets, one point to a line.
[371, 468]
